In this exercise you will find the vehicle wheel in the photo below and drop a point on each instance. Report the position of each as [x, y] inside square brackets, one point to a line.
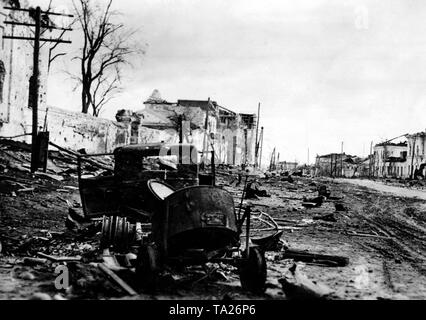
[148, 266]
[253, 271]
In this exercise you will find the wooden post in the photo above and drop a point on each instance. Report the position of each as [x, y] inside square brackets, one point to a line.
[341, 161]
[206, 126]
[278, 161]
[213, 167]
[34, 90]
[412, 158]
[180, 119]
[308, 157]
[245, 147]
[370, 162]
[261, 147]
[256, 146]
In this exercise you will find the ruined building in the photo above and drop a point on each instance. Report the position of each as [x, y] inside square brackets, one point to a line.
[16, 61]
[287, 166]
[337, 165]
[390, 160]
[209, 126]
[416, 156]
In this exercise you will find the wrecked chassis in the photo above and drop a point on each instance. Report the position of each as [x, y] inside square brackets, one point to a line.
[175, 227]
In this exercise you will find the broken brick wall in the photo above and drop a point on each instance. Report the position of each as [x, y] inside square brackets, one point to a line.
[76, 131]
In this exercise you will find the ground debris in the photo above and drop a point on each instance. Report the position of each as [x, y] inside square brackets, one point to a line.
[327, 217]
[297, 286]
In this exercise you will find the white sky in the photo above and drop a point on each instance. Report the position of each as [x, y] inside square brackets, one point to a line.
[324, 71]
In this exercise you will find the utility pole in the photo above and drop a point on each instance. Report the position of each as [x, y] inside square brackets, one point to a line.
[271, 163]
[180, 127]
[370, 162]
[34, 86]
[412, 158]
[256, 147]
[341, 160]
[206, 126]
[245, 147]
[261, 147]
[278, 161]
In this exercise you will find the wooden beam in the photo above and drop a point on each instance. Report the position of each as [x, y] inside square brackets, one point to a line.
[42, 39]
[117, 279]
[33, 25]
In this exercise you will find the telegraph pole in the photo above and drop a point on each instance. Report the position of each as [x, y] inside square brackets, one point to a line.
[308, 156]
[370, 166]
[272, 159]
[341, 161]
[278, 161]
[261, 147]
[412, 158]
[256, 147]
[34, 90]
[34, 80]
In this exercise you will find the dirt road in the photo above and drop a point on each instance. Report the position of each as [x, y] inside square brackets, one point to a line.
[380, 186]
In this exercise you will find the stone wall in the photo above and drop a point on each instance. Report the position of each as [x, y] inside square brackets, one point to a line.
[81, 131]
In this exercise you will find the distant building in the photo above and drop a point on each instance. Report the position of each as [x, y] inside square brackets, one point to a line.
[336, 165]
[416, 157]
[287, 166]
[390, 160]
[230, 134]
[365, 167]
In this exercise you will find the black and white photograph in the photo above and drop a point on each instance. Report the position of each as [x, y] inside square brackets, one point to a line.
[227, 151]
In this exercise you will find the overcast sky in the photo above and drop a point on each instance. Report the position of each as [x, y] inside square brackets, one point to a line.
[324, 71]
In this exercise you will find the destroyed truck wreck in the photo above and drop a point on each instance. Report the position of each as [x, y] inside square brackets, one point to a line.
[162, 220]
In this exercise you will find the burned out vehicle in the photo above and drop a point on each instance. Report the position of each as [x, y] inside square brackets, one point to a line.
[125, 192]
[154, 202]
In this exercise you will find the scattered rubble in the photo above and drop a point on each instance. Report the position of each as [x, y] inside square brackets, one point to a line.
[304, 220]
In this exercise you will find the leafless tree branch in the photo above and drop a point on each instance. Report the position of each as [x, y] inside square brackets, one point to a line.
[106, 49]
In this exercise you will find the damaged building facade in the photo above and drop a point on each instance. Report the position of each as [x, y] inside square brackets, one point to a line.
[337, 165]
[203, 123]
[416, 157]
[287, 166]
[390, 160]
[16, 67]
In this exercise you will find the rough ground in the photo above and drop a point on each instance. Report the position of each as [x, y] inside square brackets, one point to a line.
[383, 234]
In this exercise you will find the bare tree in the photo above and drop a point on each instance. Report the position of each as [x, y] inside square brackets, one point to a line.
[106, 49]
